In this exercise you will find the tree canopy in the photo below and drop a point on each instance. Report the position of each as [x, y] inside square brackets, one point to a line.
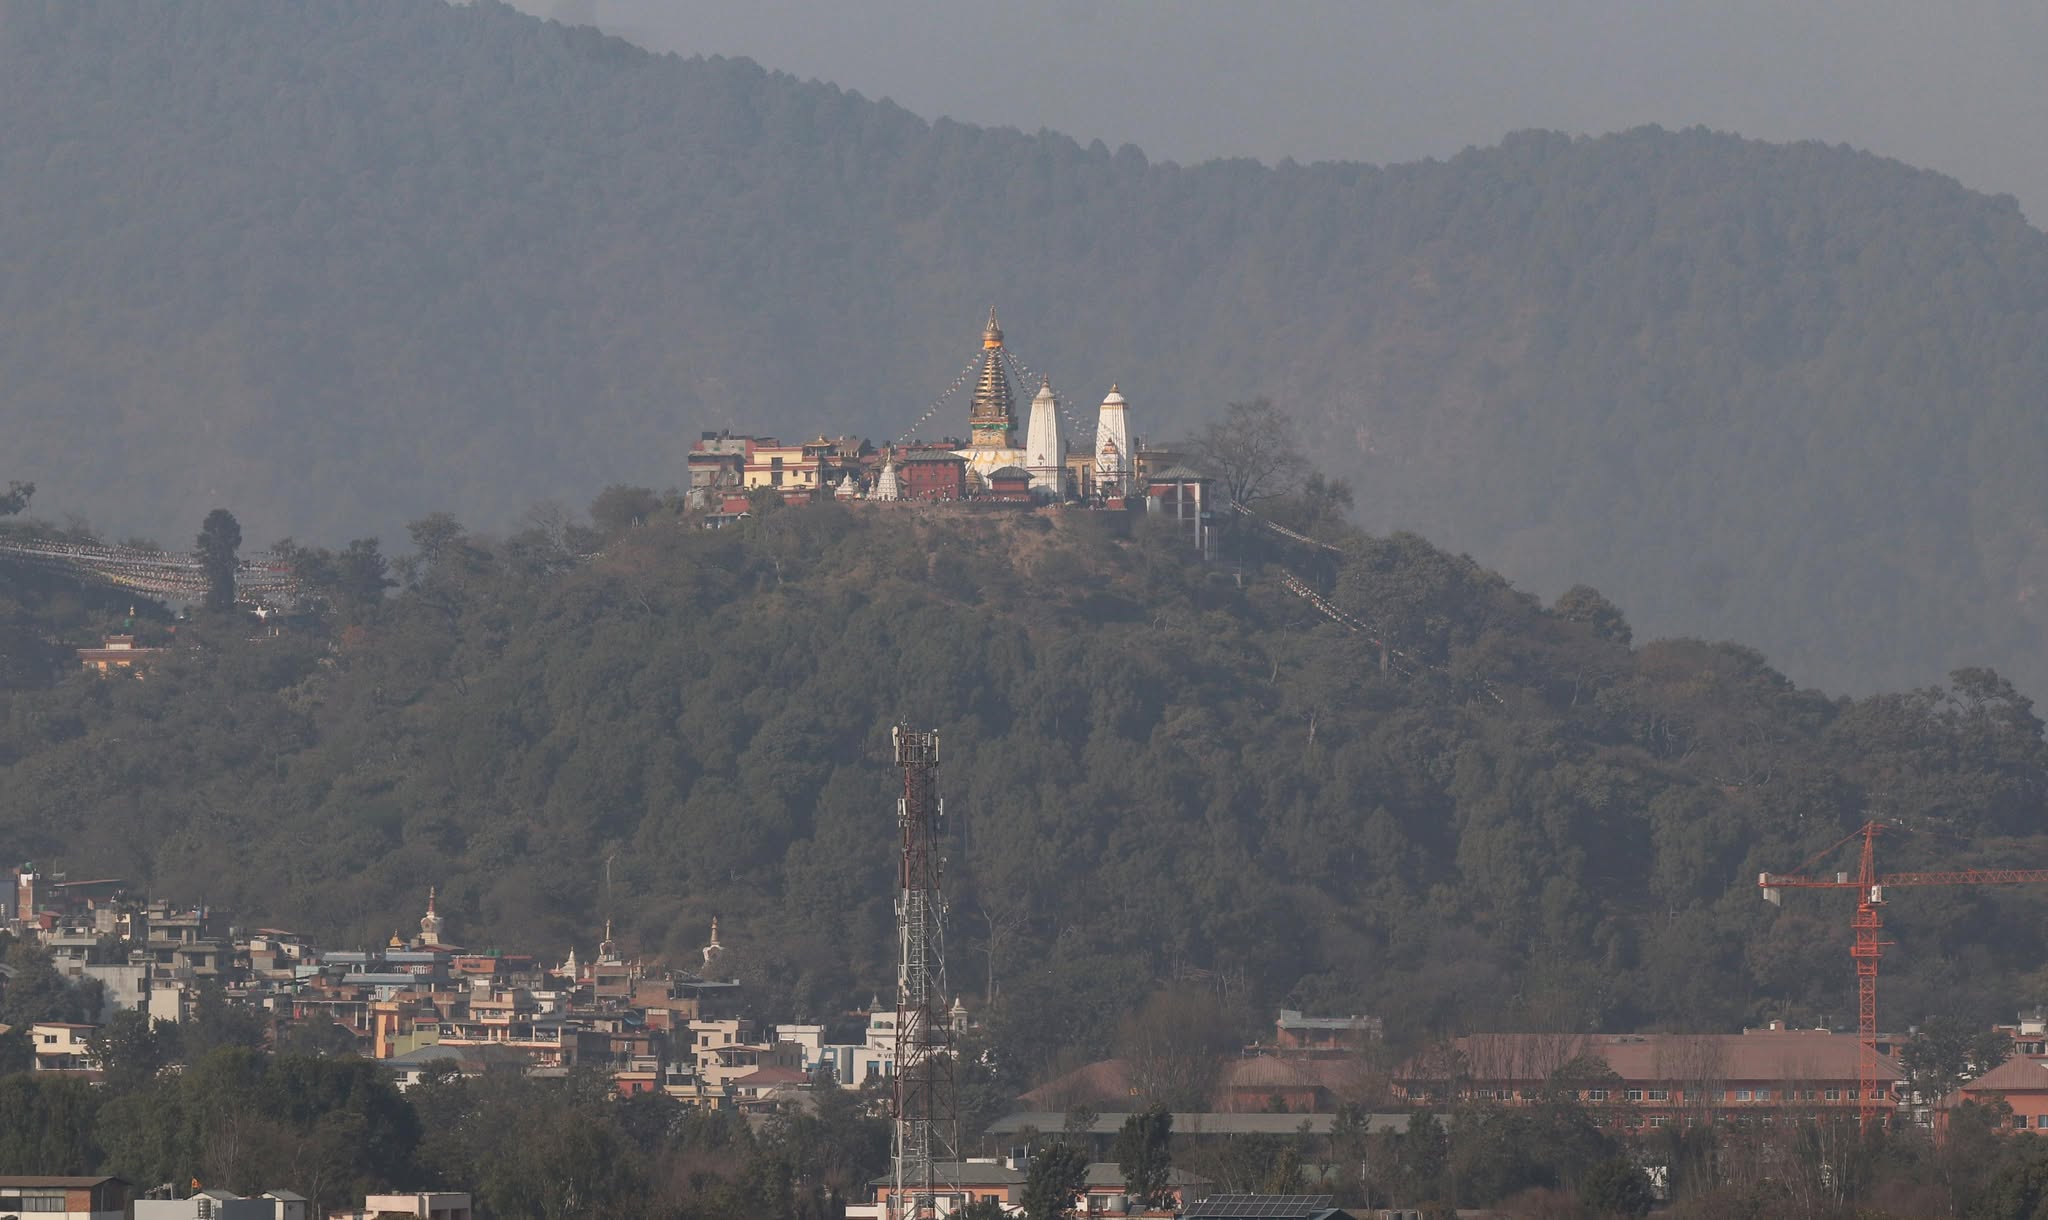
[1159, 771]
[220, 536]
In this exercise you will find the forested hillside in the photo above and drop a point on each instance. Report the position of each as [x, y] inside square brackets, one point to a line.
[337, 264]
[1154, 774]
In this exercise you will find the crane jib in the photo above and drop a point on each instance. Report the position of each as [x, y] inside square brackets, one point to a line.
[1866, 923]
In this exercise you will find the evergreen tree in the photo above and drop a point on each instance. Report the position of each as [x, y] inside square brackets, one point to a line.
[1617, 1187]
[1053, 1185]
[1144, 1153]
[220, 536]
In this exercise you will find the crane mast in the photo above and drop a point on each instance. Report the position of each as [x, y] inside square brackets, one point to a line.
[1866, 947]
[925, 1113]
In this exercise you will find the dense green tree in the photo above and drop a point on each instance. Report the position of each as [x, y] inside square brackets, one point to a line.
[50, 1126]
[2018, 1189]
[220, 537]
[1617, 1187]
[1976, 1139]
[1151, 765]
[16, 1055]
[544, 1168]
[361, 577]
[128, 1049]
[243, 1120]
[37, 991]
[619, 508]
[436, 538]
[1582, 604]
[837, 1145]
[1054, 1182]
[1946, 1051]
[1144, 1152]
[217, 1022]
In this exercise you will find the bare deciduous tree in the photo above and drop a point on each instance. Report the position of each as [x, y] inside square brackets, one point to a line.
[1253, 452]
[1172, 1046]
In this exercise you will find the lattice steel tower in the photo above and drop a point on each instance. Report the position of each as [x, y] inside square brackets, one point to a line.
[926, 1115]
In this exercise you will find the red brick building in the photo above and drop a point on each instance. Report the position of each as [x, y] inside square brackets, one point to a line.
[1760, 1077]
[1011, 484]
[2021, 1082]
[1295, 1033]
[932, 474]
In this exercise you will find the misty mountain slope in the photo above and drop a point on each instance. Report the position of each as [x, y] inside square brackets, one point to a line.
[338, 265]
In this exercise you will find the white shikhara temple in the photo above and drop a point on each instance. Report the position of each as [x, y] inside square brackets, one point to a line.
[1054, 471]
[1113, 456]
[1045, 458]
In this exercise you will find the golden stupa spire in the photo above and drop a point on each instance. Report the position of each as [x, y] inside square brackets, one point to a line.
[991, 421]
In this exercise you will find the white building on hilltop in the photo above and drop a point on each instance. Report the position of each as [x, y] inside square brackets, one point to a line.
[1044, 456]
[1113, 457]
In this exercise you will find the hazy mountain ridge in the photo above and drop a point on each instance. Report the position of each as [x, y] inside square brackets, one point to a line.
[336, 266]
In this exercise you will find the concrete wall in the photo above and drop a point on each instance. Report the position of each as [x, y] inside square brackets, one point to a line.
[191, 1209]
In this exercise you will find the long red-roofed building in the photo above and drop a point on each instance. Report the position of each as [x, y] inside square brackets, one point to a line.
[1248, 1085]
[1759, 1077]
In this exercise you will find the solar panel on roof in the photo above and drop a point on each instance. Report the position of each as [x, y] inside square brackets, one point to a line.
[1263, 1207]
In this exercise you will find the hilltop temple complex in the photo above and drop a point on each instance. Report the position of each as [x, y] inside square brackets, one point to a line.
[1060, 462]
[1052, 469]
[1055, 462]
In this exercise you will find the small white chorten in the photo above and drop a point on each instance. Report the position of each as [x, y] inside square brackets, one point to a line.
[430, 923]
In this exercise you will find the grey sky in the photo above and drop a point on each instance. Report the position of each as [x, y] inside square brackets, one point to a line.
[1950, 86]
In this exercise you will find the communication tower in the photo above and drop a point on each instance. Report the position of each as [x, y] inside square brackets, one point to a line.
[926, 1115]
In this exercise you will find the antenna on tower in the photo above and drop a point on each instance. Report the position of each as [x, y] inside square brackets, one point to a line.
[926, 1113]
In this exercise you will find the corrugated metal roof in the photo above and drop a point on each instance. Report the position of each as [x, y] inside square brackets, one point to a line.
[1109, 1173]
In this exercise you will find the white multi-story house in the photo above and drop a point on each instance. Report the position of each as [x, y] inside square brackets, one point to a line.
[60, 1046]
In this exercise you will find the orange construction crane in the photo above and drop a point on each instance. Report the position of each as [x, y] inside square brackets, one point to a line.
[1870, 886]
